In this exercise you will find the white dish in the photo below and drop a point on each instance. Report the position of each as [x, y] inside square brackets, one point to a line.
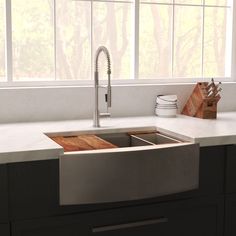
[166, 106]
[166, 112]
[166, 99]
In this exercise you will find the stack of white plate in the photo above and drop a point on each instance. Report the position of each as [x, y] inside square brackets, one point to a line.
[166, 105]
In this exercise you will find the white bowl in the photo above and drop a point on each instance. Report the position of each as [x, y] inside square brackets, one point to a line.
[166, 112]
[165, 106]
[166, 99]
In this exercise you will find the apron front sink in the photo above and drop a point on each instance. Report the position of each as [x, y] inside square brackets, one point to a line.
[136, 166]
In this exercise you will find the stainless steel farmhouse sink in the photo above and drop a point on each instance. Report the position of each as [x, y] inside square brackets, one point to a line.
[129, 166]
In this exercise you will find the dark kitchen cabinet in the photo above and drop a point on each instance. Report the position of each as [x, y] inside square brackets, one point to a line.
[212, 167]
[34, 189]
[189, 217]
[4, 230]
[3, 194]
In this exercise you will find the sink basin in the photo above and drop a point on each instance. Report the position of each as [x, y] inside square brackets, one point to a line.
[137, 139]
[83, 142]
[138, 165]
[123, 140]
[157, 138]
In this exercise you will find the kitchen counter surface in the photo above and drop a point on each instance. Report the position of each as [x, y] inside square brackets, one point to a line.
[28, 142]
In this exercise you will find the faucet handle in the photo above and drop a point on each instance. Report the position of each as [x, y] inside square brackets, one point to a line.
[106, 97]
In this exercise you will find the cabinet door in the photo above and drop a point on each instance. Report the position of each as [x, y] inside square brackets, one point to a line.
[230, 169]
[230, 215]
[212, 167]
[4, 230]
[3, 194]
[184, 218]
[33, 188]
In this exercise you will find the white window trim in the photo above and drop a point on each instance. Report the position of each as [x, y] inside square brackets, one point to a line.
[134, 80]
[8, 54]
[85, 83]
[233, 55]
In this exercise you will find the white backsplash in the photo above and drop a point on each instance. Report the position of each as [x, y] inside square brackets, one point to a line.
[67, 103]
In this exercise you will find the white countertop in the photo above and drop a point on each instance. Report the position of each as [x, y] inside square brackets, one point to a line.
[28, 142]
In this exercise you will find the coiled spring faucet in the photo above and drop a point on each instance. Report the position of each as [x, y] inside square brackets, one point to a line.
[97, 114]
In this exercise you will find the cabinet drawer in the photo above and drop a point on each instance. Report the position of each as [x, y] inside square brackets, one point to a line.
[230, 169]
[4, 230]
[183, 218]
[3, 194]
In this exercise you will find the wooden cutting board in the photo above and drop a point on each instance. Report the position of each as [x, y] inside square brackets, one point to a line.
[82, 143]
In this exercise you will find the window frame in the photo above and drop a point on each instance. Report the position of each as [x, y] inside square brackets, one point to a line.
[89, 82]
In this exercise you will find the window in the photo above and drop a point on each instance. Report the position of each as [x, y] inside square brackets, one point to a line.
[55, 40]
[32, 40]
[185, 39]
[73, 40]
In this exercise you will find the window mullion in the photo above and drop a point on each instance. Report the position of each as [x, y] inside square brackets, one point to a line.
[135, 68]
[173, 39]
[9, 67]
[229, 41]
[91, 39]
[203, 38]
[233, 60]
[55, 38]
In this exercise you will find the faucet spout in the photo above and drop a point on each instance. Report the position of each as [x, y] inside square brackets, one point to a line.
[97, 114]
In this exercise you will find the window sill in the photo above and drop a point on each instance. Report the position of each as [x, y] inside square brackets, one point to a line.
[130, 82]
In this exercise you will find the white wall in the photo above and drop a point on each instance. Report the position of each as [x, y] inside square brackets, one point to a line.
[61, 103]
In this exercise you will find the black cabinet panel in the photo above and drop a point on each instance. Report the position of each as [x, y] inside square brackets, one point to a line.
[230, 183]
[4, 230]
[3, 194]
[230, 215]
[212, 165]
[184, 218]
[33, 188]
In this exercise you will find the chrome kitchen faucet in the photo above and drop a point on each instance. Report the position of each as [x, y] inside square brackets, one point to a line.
[97, 114]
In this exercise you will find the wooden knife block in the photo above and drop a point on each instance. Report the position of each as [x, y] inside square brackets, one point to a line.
[200, 105]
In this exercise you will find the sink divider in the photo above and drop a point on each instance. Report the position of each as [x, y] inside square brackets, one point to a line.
[142, 140]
